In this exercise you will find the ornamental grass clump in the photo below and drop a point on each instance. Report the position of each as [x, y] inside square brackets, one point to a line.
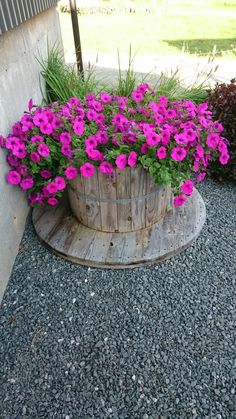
[173, 141]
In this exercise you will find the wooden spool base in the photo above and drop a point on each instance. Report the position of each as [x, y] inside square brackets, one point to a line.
[64, 235]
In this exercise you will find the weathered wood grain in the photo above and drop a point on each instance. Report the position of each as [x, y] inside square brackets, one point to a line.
[123, 191]
[107, 190]
[63, 234]
[138, 189]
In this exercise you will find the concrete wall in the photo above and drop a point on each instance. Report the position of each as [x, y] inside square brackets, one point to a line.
[19, 81]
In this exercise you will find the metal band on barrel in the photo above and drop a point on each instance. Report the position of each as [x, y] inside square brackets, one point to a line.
[115, 201]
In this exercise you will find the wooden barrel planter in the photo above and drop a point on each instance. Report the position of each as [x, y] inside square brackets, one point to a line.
[129, 200]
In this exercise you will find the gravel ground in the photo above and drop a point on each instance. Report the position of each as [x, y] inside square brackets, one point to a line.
[152, 342]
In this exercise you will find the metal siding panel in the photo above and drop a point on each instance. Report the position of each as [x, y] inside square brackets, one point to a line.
[6, 15]
[15, 12]
[3, 24]
[12, 14]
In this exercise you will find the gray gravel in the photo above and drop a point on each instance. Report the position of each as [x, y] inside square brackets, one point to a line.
[149, 343]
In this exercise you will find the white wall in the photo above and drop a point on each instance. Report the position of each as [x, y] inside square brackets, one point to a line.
[19, 81]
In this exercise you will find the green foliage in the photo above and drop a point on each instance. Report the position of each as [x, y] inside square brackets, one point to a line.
[222, 102]
[62, 80]
[126, 84]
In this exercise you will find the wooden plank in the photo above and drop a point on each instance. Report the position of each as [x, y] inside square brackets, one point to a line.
[81, 241]
[150, 201]
[49, 221]
[77, 202]
[123, 191]
[93, 208]
[122, 248]
[107, 190]
[138, 189]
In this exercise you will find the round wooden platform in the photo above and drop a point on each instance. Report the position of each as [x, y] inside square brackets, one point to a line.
[64, 235]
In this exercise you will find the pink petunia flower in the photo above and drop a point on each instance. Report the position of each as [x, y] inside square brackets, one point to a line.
[224, 158]
[165, 136]
[105, 97]
[13, 177]
[52, 188]
[22, 169]
[106, 168]
[37, 138]
[121, 161]
[78, 128]
[52, 201]
[46, 128]
[212, 140]
[66, 150]
[35, 157]
[144, 148]
[178, 153]
[161, 153]
[94, 154]
[46, 174]
[137, 96]
[27, 183]
[11, 142]
[43, 150]
[60, 183]
[132, 159]
[65, 138]
[91, 142]
[187, 187]
[19, 151]
[71, 172]
[201, 176]
[87, 169]
[152, 139]
[179, 200]
[102, 137]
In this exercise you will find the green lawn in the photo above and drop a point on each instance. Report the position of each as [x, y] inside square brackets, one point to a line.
[197, 26]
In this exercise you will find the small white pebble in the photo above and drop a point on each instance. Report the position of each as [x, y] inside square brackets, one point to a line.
[60, 340]
[70, 318]
[96, 388]
[92, 294]
[133, 377]
[74, 300]
[105, 339]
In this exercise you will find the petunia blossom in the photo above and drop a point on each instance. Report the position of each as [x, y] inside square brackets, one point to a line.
[87, 169]
[161, 153]
[106, 168]
[121, 161]
[71, 172]
[178, 153]
[132, 159]
[13, 177]
[27, 183]
[179, 200]
[187, 187]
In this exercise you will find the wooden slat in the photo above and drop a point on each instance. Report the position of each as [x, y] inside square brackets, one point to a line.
[77, 202]
[123, 191]
[150, 202]
[107, 189]
[138, 189]
[93, 208]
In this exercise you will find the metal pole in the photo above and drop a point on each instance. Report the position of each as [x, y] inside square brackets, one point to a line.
[75, 25]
